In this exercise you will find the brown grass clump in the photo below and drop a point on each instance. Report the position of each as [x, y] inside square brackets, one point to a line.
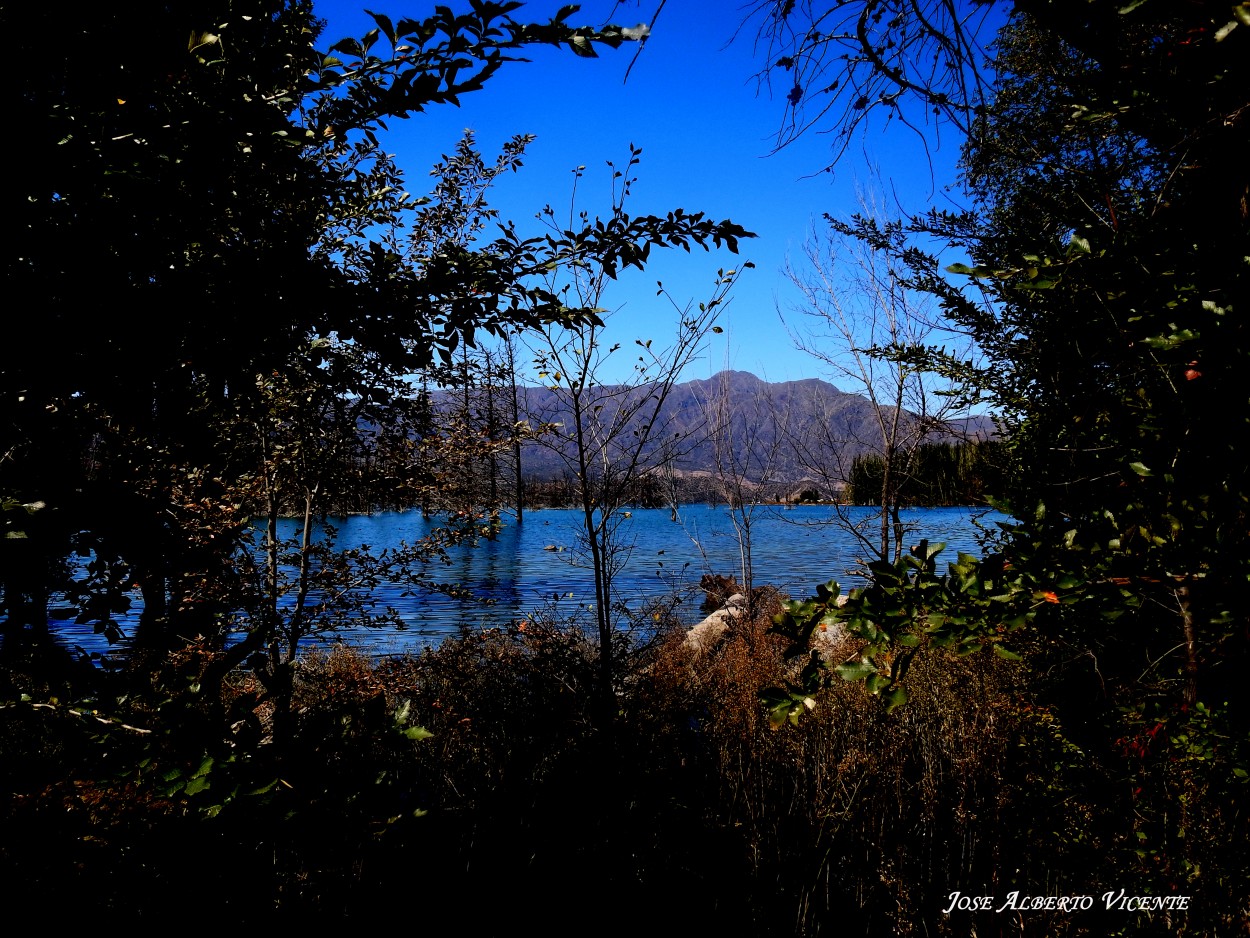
[855, 817]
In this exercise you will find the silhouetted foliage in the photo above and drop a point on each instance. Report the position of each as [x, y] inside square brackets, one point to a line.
[934, 474]
[1107, 249]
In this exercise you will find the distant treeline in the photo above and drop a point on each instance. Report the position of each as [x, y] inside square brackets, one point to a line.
[933, 474]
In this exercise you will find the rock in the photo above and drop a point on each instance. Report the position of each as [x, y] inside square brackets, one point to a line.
[827, 640]
[709, 632]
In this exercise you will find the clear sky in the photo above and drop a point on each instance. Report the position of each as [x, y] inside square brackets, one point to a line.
[707, 134]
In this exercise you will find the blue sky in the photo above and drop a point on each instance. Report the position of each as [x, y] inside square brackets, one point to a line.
[707, 134]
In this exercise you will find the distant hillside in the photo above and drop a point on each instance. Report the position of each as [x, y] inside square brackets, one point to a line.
[805, 429]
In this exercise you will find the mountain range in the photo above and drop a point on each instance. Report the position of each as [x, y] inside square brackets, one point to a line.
[783, 432]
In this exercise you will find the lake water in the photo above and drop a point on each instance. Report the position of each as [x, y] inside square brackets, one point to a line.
[517, 574]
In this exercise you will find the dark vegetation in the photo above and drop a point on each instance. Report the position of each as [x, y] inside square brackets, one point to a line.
[1106, 285]
[1065, 715]
[934, 474]
[710, 814]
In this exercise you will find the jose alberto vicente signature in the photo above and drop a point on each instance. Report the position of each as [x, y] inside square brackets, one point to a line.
[1015, 902]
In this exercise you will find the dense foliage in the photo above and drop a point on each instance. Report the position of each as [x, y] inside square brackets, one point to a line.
[932, 474]
[1108, 248]
[222, 286]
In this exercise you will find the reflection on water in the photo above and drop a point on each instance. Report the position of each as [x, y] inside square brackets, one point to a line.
[539, 563]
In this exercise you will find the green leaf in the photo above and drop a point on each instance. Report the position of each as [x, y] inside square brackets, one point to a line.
[348, 46]
[827, 592]
[895, 697]
[582, 46]
[855, 670]
[781, 705]
[384, 24]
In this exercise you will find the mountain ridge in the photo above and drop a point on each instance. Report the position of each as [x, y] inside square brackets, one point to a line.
[785, 432]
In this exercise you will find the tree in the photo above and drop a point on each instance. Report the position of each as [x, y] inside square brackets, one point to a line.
[316, 283]
[943, 474]
[512, 391]
[141, 192]
[615, 434]
[1115, 415]
[747, 443]
[1136, 495]
[868, 327]
[236, 179]
[841, 63]
[339, 420]
[1107, 244]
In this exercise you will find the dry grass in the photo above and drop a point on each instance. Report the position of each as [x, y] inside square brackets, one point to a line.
[856, 821]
